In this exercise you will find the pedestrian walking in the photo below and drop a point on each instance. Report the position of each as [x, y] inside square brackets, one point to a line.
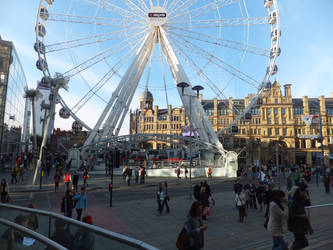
[4, 189]
[158, 196]
[252, 193]
[56, 181]
[124, 172]
[186, 171]
[196, 191]
[129, 175]
[85, 177]
[136, 172]
[75, 181]
[165, 198]
[278, 214]
[298, 221]
[81, 202]
[67, 179]
[194, 227]
[14, 173]
[240, 201]
[268, 198]
[210, 172]
[326, 181]
[21, 174]
[142, 175]
[204, 199]
[178, 173]
[67, 204]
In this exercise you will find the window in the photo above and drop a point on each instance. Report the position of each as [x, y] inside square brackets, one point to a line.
[2, 77]
[223, 111]
[276, 111]
[276, 100]
[243, 131]
[269, 131]
[329, 111]
[209, 112]
[276, 120]
[284, 131]
[277, 131]
[298, 110]
[283, 111]
[259, 131]
[268, 111]
[255, 111]
[269, 121]
[283, 120]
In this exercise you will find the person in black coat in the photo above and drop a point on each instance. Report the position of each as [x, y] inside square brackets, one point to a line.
[67, 204]
[298, 221]
[196, 191]
[75, 181]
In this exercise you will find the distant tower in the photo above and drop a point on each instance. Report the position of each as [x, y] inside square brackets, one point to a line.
[146, 100]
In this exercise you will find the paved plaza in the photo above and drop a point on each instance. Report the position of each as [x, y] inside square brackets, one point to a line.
[134, 212]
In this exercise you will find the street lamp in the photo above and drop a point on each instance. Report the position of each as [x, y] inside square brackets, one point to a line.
[196, 88]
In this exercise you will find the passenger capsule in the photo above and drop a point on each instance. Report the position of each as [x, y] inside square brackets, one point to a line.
[41, 64]
[40, 29]
[44, 13]
[268, 3]
[39, 47]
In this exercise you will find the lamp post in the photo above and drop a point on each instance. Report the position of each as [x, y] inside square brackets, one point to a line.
[196, 88]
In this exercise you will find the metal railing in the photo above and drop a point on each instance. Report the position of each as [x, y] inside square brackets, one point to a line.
[27, 232]
[308, 208]
[105, 237]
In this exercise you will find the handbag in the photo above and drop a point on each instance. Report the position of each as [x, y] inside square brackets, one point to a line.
[206, 211]
[183, 240]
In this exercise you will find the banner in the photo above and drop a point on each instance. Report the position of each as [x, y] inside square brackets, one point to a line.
[186, 132]
[311, 120]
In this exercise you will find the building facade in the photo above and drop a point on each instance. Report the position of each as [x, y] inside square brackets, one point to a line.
[277, 129]
[12, 101]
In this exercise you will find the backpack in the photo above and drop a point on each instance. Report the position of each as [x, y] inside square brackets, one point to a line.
[183, 240]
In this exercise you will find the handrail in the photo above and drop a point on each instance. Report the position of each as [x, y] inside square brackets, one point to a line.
[32, 234]
[318, 206]
[115, 236]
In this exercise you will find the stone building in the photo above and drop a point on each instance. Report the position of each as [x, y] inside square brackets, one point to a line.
[277, 126]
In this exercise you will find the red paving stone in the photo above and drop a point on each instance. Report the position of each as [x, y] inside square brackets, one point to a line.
[102, 216]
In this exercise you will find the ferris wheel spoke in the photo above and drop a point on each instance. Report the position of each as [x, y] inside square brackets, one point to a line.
[102, 55]
[143, 4]
[241, 21]
[218, 62]
[100, 21]
[106, 78]
[220, 41]
[204, 9]
[184, 6]
[115, 9]
[198, 70]
[134, 7]
[204, 77]
[86, 40]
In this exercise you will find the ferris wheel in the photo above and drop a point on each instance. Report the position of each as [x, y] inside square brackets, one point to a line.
[111, 51]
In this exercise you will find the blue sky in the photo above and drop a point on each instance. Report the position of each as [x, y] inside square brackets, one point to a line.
[306, 61]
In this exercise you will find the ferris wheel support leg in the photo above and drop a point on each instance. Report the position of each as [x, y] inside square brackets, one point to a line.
[116, 95]
[129, 82]
[199, 117]
[45, 132]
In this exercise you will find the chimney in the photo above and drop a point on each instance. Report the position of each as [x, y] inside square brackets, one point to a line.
[287, 90]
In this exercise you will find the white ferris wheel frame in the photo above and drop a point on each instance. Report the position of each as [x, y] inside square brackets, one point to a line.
[117, 107]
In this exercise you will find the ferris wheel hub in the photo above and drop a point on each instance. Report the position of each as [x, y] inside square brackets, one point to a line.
[157, 16]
